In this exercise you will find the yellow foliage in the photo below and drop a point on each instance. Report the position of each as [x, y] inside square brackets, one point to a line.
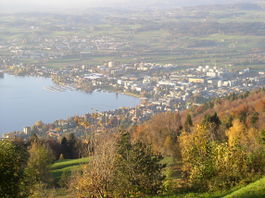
[237, 134]
[240, 135]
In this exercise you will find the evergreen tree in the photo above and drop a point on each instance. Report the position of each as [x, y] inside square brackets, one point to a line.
[138, 170]
[69, 147]
[188, 123]
[72, 146]
[213, 123]
[65, 149]
[212, 119]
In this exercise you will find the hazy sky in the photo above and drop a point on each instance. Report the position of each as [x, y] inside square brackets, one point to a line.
[23, 5]
[50, 3]
[66, 4]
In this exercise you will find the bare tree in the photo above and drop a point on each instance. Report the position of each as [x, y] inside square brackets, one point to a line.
[96, 178]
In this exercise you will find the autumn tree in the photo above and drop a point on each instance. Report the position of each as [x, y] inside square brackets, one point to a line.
[211, 163]
[119, 169]
[96, 178]
[249, 140]
[231, 166]
[237, 134]
[197, 156]
[37, 170]
[162, 129]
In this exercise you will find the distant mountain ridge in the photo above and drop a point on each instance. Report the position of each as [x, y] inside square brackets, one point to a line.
[165, 4]
[41, 6]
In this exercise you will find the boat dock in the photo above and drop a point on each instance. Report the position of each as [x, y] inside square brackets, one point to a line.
[58, 88]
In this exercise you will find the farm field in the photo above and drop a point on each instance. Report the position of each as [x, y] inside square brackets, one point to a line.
[213, 35]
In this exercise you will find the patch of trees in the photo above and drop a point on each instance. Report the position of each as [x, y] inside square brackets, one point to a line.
[23, 170]
[248, 107]
[67, 147]
[211, 162]
[214, 155]
[211, 150]
[120, 168]
[13, 161]
[211, 154]
[161, 133]
[25, 165]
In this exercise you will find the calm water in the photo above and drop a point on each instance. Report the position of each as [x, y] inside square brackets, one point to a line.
[25, 100]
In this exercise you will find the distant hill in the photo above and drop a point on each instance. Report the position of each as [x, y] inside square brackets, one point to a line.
[179, 3]
[168, 4]
[49, 5]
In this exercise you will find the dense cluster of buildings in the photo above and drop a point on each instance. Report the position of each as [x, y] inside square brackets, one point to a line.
[46, 48]
[160, 87]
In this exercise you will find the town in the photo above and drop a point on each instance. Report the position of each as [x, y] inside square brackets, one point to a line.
[169, 65]
[161, 88]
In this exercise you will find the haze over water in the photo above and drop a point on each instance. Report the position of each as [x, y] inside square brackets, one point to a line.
[23, 101]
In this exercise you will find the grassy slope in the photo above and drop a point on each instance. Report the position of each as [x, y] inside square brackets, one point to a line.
[59, 167]
[191, 195]
[220, 194]
[253, 190]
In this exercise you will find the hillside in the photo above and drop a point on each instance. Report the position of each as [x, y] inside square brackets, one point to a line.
[48, 5]
[244, 105]
[253, 190]
[66, 166]
[209, 151]
[162, 130]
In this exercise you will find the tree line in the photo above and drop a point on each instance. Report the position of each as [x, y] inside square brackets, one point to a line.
[25, 165]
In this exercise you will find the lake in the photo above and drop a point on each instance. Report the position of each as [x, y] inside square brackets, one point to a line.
[25, 100]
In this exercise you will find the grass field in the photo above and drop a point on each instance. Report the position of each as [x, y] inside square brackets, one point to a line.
[253, 190]
[187, 38]
[66, 166]
[194, 195]
[58, 169]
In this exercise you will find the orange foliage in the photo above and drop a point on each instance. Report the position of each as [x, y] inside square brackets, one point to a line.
[254, 102]
[161, 132]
